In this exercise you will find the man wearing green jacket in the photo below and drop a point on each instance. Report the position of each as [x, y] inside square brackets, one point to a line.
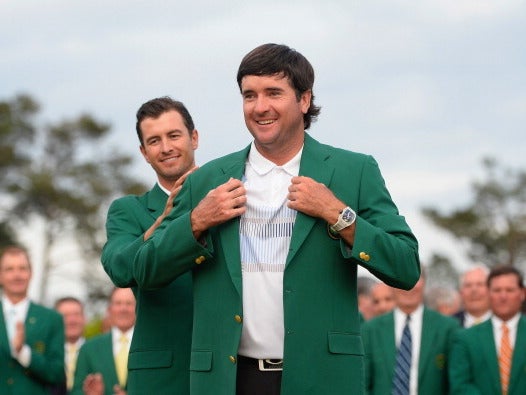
[101, 363]
[478, 364]
[273, 235]
[160, 350]
[431, 335]
[31, 335]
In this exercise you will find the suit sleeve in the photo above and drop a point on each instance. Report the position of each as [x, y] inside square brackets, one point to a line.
[384, 243]
[172, 249]
[124, 238]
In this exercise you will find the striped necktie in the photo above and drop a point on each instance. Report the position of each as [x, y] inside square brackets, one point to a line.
[403, 362]
[505, 358]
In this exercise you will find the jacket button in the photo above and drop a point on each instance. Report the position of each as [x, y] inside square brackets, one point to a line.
[200, 260]
[232, 359]
[238, 318]
[364, 256]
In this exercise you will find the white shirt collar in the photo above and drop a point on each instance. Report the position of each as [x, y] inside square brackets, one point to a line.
[262, 165]
[163, 189]
[21, 307]
[511, 323]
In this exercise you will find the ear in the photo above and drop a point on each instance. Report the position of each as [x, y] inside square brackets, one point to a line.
[143, 152]
[195, 139]
[305, 101]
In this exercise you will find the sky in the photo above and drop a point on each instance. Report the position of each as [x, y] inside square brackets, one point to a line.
[427, 87]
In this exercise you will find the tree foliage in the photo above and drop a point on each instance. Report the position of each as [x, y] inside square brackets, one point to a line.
[64, 174]
[493, 225]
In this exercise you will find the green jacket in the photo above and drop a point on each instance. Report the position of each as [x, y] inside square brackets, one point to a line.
[45, 336]
[96, 356]
[323, 350]
[474, 367]
[160, 349]
[380, 350]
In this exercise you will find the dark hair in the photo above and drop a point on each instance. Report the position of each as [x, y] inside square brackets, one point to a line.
[502, 270]
[156, 107]
[272, 59]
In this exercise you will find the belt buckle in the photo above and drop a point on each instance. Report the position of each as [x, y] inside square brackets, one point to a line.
[270, 365]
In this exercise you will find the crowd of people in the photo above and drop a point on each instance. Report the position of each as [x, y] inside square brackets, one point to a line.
[240, 277]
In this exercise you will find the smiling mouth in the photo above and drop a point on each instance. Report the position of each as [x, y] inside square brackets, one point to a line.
[170, 159]
[267, 122]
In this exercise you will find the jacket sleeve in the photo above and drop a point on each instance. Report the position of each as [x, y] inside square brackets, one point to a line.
[384, 244]
[124, 238]
[172, 249]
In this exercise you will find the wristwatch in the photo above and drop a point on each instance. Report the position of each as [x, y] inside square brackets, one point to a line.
[345, 219]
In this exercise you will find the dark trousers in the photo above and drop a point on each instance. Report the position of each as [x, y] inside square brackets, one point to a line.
[252, 381]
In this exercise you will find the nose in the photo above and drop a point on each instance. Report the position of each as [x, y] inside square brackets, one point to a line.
[261, 105]
[165, 145]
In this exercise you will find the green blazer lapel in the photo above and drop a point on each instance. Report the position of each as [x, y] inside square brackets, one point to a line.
[4, 340]
[389, 344]
[32, 324]
[489, 352]
[314, 165]
[156, 201]
[229, 231]
[519, 356]
[429, 330]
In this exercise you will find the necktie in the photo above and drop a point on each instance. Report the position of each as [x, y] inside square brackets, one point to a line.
[505, 359]
[71, 363]
[403, 362]
[121, 361]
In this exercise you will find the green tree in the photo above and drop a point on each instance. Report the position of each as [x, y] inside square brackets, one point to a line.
[65, 179]
[493, 225]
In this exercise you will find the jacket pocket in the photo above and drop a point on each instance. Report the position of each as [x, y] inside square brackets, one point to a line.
[345, 343]
[150, 359]
[201, 361]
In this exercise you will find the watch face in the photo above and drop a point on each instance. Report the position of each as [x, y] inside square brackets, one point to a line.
[348, 215]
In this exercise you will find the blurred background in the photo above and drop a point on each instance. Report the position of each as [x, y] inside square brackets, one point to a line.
[435, 90]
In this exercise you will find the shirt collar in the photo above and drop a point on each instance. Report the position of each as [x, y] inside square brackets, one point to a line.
[511, 323]
[8, 305]
[116, 333]
[262, 165]
[416, 315]
[163, 189]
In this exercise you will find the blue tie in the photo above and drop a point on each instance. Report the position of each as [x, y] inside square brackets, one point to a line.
[403, 362]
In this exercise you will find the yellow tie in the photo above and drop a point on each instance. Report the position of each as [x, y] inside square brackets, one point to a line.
[505, 359]
[71, 363]
[121, 361]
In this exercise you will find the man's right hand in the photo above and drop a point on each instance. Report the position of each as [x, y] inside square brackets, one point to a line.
[221, 204]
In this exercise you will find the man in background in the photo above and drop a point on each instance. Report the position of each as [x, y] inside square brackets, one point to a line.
[407, 350]
[102, 360]
[490, 358]
[160, 350]
[383, 299]
[31, 336]
[72, 311]
[475, 297]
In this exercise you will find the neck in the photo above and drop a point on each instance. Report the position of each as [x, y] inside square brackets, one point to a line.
[14, 299]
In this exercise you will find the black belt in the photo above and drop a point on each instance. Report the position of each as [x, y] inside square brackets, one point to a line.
[264, 365]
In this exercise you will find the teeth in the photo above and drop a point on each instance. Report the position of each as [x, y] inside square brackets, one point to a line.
[268, 122]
